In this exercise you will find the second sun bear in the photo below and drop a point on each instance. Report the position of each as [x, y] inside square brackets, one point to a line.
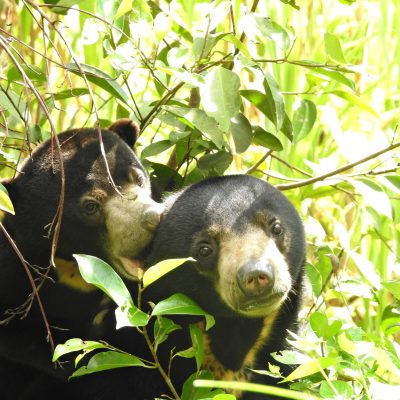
[107, 212]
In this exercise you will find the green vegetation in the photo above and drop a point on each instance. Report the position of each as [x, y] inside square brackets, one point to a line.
[302, 93]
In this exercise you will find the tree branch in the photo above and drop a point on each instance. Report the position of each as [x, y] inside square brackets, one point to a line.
[346, 167]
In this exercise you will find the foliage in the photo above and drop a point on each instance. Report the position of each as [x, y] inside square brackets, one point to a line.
[302, 93]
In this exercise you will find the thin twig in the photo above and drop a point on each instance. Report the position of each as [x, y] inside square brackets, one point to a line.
[32, 282]
[259, 162]
[346, 167]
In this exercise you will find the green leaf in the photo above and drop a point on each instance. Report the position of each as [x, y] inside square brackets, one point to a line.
[13, 103]
[293, 3]
[73, 345]
[156, 148]
[66, 94]
[303, 119]
[124, 8]
[312, 367]
[162, 328]
[198, 119]
[343, 389]
[318, 322]
[373, 196]
[220, 95]
[391, 319]
[196, 335]
[108, 360]
[183, 75]
[271, 104]
[218, 162]
[162, 25]
[273, 31]
[261, 28]
[238, 44]
[275, 101]
[179, 304]
[322, 328]
[333, 48]
[356, 101]
[287, 127]
[100, 274]
[266, 139]
[130, 316]
[34, 73]
[242, 132]
[393, 287]
[160, 269]
[333, 75]
[5, 201]
[290, 357]
[100, 79]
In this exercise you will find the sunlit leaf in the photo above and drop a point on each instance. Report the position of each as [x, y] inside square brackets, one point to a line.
[198, 119]
[108, 360]
[266, 139]
[303, 119]
[270, 105]
[5, 202]
[332, 75]
[357, 101]
[242, 132]
[34, 73]
[124, 7]
[160, 269]
[163, 327]
[219, 161]
[312, 367]
[100, 274]
[73, 345]
[66, 94]
[156, 148]
[101, 79]
[274, 99]
[220, 95]
[333, 48]
[393, 287]
[321, 326]
[343, 389]
[162, 25]
[373, 196]
[13, 103]
[179, 304]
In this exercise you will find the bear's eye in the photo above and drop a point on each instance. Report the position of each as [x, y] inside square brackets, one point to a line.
[91, 207]
[140, 181]
[204, 251]
[276, 229]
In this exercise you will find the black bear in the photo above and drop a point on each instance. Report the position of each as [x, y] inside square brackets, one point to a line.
[107, 212]
[249, 246]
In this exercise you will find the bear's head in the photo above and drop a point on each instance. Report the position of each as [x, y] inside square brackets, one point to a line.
[107, 210]
[247, 240]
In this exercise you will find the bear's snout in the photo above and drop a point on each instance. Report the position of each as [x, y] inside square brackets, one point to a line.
[152, 216]
[256, 278]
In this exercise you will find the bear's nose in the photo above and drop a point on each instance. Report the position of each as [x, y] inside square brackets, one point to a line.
[255, 278]
[152, 216]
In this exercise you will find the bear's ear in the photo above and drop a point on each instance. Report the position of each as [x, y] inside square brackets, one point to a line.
[126, 129]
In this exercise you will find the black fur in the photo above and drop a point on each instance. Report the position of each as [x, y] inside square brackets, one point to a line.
[25, 355]
[215, 212]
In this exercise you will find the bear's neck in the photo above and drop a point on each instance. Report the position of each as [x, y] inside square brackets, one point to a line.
[235, 344]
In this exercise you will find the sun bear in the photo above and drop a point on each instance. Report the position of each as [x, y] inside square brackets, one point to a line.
[107, 211]
[248, 244]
